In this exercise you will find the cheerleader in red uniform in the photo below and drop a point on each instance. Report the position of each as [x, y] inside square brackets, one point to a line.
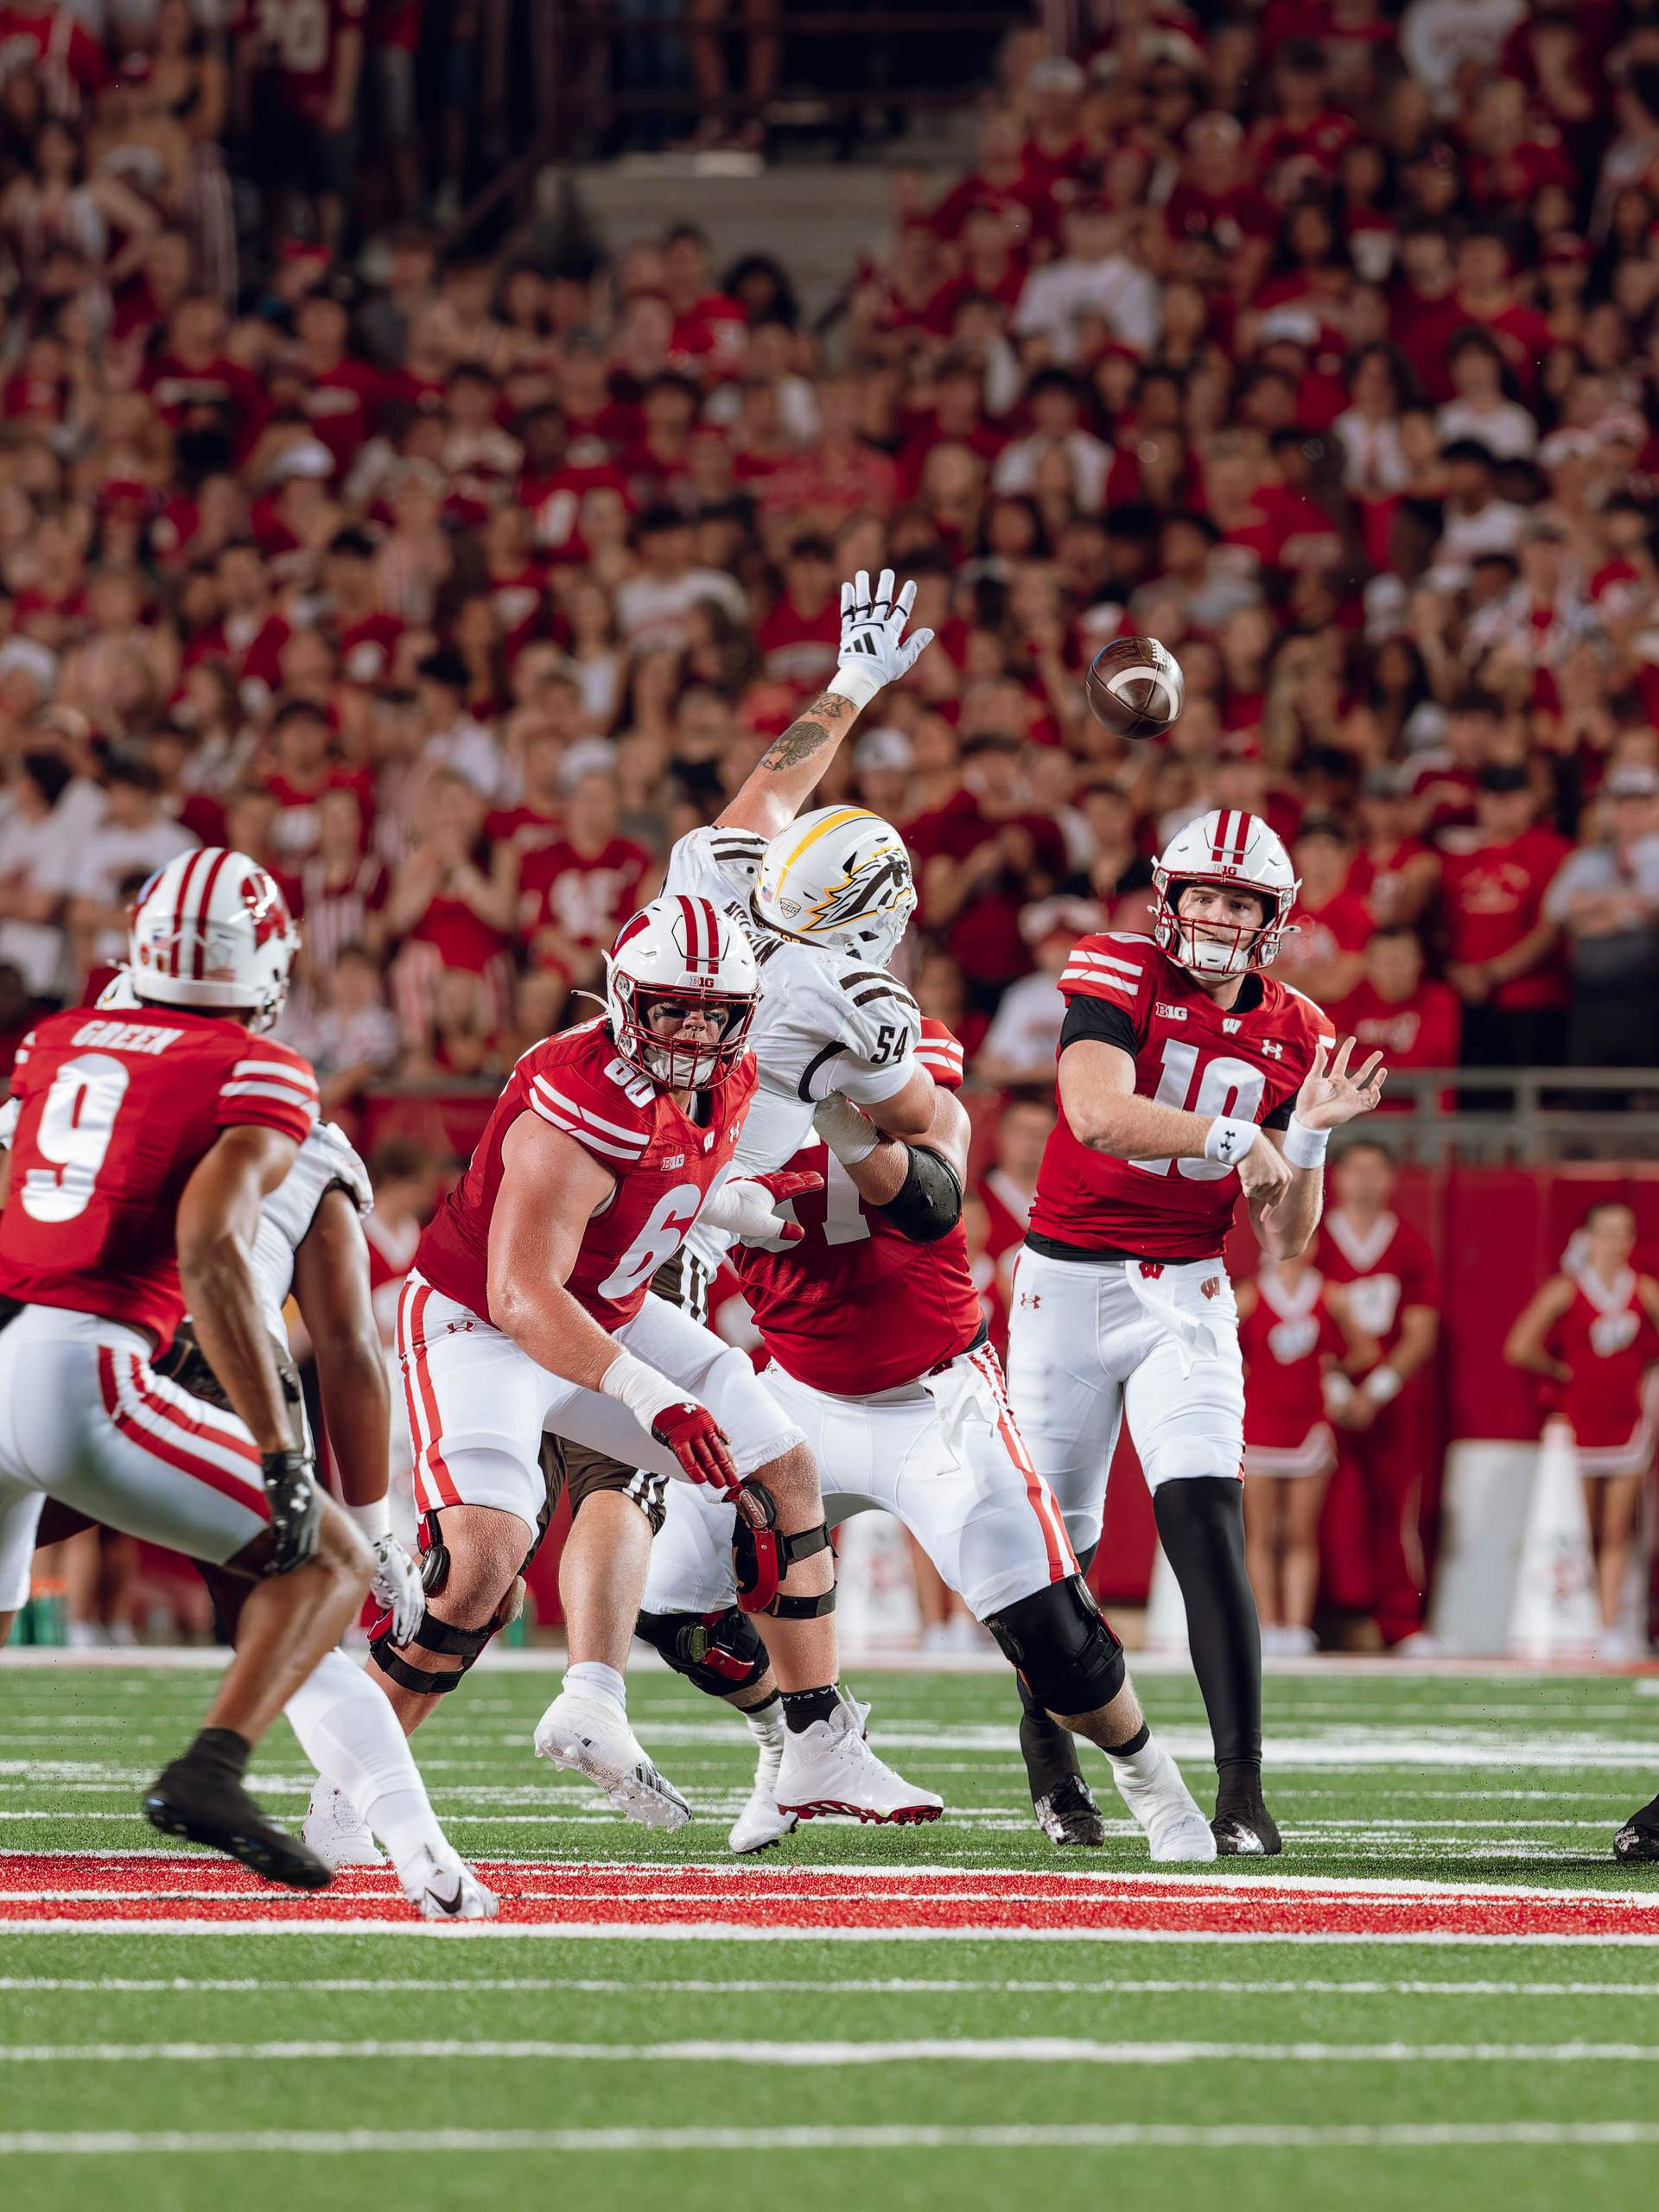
[1296, 1331]
[1593, 1330]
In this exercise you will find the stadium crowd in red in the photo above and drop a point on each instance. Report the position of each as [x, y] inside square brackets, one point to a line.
[1323, 346]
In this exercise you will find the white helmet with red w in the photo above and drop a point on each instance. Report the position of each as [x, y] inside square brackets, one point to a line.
[1230, 851]
[211, 931]
[680, 956]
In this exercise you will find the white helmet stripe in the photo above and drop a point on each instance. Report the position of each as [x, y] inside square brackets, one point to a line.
[199, 934]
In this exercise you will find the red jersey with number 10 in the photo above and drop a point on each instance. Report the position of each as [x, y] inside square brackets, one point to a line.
[117, 1112]
[857, 1307]
[664, 1163]
[1247, 1061]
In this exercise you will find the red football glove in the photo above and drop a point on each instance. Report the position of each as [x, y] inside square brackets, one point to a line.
[699, 1443]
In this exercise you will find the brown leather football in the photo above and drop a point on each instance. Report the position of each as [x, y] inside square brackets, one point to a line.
[1135, 687]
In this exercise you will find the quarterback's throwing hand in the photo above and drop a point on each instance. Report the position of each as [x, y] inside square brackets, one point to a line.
[1330, 1095]
[699, 1443]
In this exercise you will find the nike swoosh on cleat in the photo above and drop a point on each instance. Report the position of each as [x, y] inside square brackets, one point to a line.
[451, 1905]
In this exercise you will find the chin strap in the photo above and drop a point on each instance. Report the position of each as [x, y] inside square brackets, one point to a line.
[763, 1555]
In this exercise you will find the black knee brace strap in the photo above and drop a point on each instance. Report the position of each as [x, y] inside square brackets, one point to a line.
[1063, 1646]
[762, 1555]
[435, 1634]
[720, 1652]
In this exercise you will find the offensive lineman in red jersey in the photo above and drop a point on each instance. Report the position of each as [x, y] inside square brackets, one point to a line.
[527, 1311]
[144, 1145]
[1387, 1270]
[907, 1413]
[1594, 1330]
[1186, 1076]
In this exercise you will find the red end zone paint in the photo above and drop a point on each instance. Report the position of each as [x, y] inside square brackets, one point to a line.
[154, 1891]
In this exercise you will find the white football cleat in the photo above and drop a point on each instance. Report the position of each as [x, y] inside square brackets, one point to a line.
[337, 1832]
[1177, 1830]
[760, 1823]
[589, 1734]
[442, 1886]
[828, 1767]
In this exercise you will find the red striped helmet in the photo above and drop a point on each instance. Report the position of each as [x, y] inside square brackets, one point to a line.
[680, 956]
[211, 931]
[1232, 851]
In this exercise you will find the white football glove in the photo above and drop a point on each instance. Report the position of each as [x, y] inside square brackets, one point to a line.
[748, 1206]
[397, 1585]
[874, 651]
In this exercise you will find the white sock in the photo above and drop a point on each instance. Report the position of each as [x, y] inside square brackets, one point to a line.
[1145, 1766]
[350, 1733]
[597, 1679]
[766, 1723]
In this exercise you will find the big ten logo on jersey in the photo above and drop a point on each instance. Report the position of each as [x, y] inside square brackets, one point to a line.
[1612, 1333]
[1374, 1300]
[1194, 1083]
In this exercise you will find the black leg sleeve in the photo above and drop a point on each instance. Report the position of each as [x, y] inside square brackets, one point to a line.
[1201, 1524]
[1049, 1750]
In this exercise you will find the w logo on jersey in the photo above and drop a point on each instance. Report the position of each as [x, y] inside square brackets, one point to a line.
[871, 885]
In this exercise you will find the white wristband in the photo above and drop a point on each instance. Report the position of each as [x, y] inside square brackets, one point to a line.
[1228, 1141]
[641, 1387]
[1382, 1384]
[858, 686]
[372, 1521]
[1337, 1391]
[1305, 1148]
[851, 1135]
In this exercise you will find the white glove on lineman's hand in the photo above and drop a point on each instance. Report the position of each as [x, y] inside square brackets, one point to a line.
[748, 1207]
[850, 1135]
[874, 651]
[397, 1585]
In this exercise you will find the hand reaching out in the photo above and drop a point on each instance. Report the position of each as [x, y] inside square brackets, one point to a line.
[1330, 1095]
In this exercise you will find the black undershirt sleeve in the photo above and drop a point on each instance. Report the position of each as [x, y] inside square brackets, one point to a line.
[1280, 1117]
[1097, 1022]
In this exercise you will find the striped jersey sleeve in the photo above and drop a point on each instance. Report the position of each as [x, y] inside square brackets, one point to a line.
[1115, 968]
[574, 1095]
[270, 1086]
[941, 1054]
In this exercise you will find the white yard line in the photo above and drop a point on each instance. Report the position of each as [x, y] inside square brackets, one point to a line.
[514, 2142]
[614, 1931]
[996, 2050]
[1102, 1985]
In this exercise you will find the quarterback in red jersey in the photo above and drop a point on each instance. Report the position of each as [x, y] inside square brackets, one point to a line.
[145, 1142]
[1296, 1335]
[907, 1414]
[1187, 1077]
[1388, 1271]
[526, 1313]
[1593, 1328]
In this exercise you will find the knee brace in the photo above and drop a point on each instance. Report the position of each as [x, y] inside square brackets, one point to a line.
[762, 1555]
[1063, 1646]
[442, 1636]
[720, 1652]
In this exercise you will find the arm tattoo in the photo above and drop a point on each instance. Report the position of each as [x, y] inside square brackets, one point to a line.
[815, 729]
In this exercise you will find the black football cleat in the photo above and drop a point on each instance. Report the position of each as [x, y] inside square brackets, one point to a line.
[205, 1802]
[1245, 1828]
[1637, 1843]
[1068, 1815]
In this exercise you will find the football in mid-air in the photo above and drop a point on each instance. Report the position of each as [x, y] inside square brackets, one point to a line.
[1135, 687]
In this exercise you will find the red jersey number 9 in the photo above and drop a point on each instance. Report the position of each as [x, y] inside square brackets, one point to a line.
[77, 1122]
[1225, 1086]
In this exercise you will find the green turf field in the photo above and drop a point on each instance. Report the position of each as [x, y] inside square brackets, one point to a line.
[919, 2017]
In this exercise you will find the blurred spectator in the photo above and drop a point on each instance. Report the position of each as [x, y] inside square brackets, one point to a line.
[1606, 900]
[1399, 1011]
[1501, 945]
[1008, 1185]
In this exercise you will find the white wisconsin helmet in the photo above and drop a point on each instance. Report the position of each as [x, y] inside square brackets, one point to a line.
[681, 955]
[211, 931]
[1239, 852]
[838, 876]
